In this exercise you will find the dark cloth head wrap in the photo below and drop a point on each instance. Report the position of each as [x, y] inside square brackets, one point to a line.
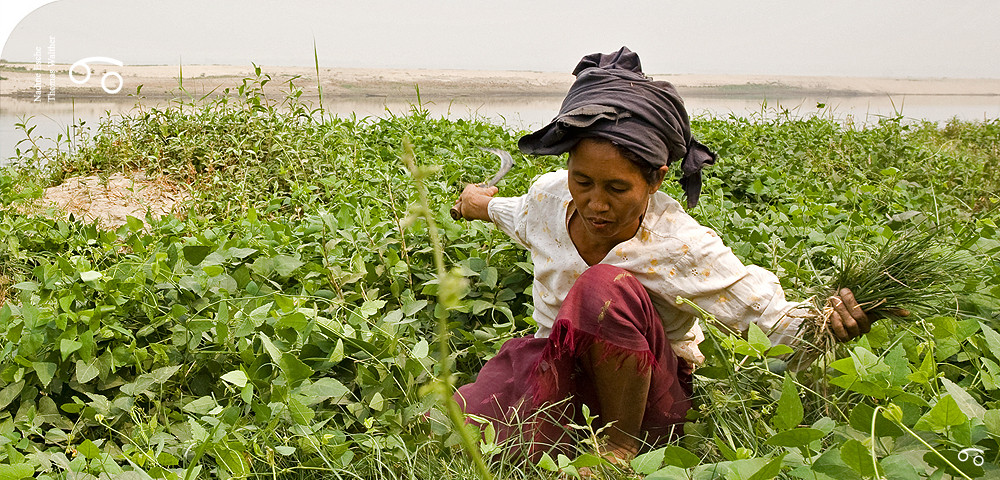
[612, 99]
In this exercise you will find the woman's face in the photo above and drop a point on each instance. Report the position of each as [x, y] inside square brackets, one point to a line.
[608, 190]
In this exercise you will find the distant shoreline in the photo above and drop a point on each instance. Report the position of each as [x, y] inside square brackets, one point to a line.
[21, 81]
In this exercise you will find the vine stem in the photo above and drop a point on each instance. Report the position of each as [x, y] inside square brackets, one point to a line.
[447, 293]
[914, 435]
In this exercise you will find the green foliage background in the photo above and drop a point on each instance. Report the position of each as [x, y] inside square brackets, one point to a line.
[285, 325]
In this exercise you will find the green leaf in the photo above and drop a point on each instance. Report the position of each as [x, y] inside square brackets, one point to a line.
[338, 352]
[143, 383]
[67, 347]
[269, 347]
[899, 366]
[259, 314]
[727, 452]
[88, 449]
[300, 413]
[943, 415]
[86, 371]
[992, 421]
[201, 405]
[134, 224]
[236, 377]
[16, 471]
[378, 402]
[968, 466]
[745, 468]
[421, 349]
[757, 339]
[679, 457]
[586, 460]
[241, 253]
[857, 456]
[371, 307]
[293, 368]
[788, 414]
[648, 462]
[546, 463]
[285, 265]
[926, 372]
[9, 393]
[296, 321]
[27, 286]
[31, 316]
[831, 465]
[393, 317]
[770, 470]
[90, 276]
[232, 460]
[869, 366]
[323, 389]
[411, 308]
[825, 425]
[167, 460]
[669, 472]
[45, 371]
[284, 450]
[992, 339]
[799, 437]
[213, 270]
[194, 254]
[898, 467]
[779, 350]
[246, 394]
[489, 277]
[969, 406]
[163, 374]
[861, 420]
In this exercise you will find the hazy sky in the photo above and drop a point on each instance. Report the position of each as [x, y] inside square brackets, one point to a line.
[910, 38]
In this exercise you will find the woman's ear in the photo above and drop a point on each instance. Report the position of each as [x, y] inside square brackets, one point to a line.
[661, 173]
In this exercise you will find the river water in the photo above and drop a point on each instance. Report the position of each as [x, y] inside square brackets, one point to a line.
[53, 119]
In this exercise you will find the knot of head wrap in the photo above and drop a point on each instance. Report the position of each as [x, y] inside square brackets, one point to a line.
[612, 99]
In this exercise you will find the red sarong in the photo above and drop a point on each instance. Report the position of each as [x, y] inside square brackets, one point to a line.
[532, 390]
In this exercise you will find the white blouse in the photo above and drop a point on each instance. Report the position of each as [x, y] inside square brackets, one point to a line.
[671, 255]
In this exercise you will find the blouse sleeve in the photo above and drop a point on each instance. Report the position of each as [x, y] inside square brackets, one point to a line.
[512, 215]
[710, 275]
[509, 214]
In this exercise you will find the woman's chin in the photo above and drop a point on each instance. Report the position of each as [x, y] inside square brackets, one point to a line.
[603, 230]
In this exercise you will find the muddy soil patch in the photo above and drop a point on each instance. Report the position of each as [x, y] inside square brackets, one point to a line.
[111, 200]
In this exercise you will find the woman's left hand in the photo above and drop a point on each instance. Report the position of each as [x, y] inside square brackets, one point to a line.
[848, 320]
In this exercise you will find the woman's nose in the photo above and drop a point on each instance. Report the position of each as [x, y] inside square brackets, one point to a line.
[599, 204]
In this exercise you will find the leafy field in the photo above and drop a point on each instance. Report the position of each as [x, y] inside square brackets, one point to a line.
[286, 327]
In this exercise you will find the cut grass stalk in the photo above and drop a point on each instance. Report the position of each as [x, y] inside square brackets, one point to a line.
[907, 277]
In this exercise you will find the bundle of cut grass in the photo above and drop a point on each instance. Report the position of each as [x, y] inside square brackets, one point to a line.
[907, 277]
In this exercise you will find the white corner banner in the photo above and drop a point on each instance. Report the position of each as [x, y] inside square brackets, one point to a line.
[11, 14]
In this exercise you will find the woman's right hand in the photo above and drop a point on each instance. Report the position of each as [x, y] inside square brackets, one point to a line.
[472, 204]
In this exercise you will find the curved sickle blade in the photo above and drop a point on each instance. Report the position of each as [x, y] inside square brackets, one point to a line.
[506, 163]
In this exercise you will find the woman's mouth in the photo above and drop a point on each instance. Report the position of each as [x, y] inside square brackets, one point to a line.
[599, 222]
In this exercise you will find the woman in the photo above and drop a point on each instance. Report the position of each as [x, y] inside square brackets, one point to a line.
[611, 254]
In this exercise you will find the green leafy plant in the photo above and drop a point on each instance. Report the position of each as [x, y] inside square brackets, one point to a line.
[910, 273]
[286, 326]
